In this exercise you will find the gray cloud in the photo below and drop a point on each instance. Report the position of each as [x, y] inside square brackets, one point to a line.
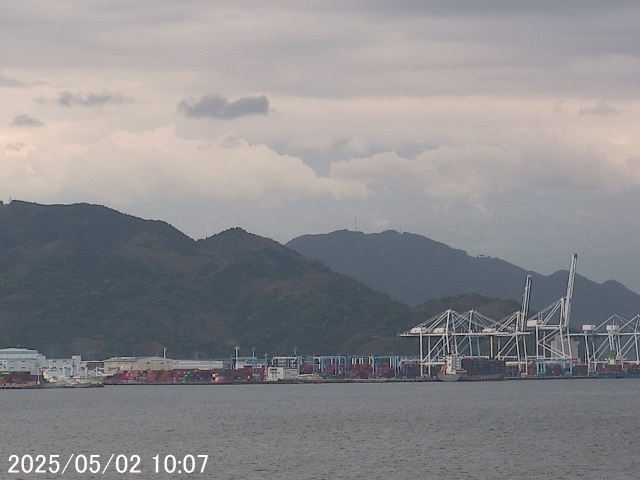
[91, 99]
[26, 121]
[216, 106]
[599, 109]
[14, 147]
[10, 82]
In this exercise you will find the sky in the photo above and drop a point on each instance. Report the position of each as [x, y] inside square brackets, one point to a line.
[507, 129]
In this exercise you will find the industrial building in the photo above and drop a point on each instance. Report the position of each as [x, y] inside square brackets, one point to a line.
[275, 374]
[196, 364]
[121, 364]
[21, 360]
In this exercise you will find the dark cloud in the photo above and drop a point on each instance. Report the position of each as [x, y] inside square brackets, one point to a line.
[215, 106]
[91, 99]
[599, 109]
[26, 121]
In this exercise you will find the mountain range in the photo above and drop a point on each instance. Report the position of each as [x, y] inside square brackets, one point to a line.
[85, 279]
[413, 269]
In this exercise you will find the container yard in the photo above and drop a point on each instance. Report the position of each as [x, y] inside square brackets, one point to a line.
[455, 346]
[307, 369]
[18, 380]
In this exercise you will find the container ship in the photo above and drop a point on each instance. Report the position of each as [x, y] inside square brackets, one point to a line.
[471, 369]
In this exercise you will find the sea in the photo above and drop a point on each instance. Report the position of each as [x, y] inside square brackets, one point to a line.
[538, 429]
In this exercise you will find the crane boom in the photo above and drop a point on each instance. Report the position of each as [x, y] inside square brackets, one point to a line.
[524, 311]
[567, 299]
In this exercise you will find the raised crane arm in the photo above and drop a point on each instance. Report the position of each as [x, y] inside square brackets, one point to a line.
[524, 311]
[566, 313]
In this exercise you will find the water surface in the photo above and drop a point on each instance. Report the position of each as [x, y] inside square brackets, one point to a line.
[556, 429]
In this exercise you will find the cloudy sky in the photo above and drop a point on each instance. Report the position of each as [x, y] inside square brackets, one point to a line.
[509, 129]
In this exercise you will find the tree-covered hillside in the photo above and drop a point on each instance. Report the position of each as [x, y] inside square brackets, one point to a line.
[84, 279]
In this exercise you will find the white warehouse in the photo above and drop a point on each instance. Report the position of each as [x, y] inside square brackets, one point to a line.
[21, 360]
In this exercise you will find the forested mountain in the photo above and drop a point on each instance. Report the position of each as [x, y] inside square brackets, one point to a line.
[85, 279]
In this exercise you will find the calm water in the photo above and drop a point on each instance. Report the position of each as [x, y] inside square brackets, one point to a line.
[586, 429]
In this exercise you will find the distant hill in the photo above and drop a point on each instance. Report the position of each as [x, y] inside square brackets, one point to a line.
[85, 279]
[414, 269]
[491, 307]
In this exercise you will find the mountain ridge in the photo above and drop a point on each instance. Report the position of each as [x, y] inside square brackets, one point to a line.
[414, 269]
[88, 280]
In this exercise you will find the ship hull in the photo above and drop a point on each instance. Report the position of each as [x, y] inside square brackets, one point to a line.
[482, 378]
[460, 377]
